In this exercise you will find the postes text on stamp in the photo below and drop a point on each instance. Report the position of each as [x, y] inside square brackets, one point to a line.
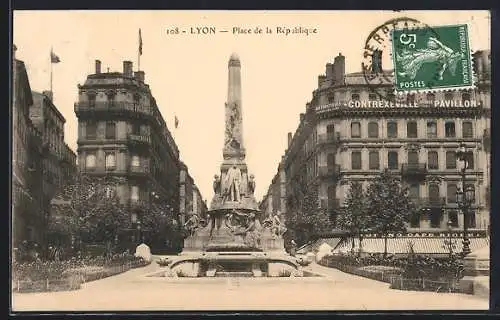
[425, 60]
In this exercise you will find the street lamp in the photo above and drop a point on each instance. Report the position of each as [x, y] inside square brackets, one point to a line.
[465, 196]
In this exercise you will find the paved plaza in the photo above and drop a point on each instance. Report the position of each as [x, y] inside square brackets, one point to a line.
[132, 291]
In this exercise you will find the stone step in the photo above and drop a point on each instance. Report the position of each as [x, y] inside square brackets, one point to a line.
[233, 274]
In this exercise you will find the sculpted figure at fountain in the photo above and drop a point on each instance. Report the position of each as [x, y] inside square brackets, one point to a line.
[232, 184]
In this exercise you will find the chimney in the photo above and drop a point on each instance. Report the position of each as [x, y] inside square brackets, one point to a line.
[127, 69]
[329, 71]
[97, 66]
[302, 116]
[48, 94]
[139, 75]
[377, 61]
[289, 139]
[321, 79]
[14, 49]
[339, 69]
[486, 61]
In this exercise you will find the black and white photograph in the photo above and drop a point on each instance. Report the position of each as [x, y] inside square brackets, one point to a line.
[190, 160]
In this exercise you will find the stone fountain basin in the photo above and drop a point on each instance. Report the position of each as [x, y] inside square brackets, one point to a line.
[256, 264]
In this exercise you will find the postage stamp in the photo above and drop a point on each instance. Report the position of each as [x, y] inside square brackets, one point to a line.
[425, 60]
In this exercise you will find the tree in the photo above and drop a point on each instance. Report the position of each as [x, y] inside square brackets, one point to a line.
[389, 205]
[159, 221]
[305, 217]
[88, 210]
[354, 216]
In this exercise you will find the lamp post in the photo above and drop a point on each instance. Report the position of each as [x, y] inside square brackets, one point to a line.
[449, 244]
[465, 197]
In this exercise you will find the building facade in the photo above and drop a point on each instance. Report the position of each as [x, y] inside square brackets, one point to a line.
[350, 133]
[191, 201]
[27, 201]
[58, 161]
[121, 133]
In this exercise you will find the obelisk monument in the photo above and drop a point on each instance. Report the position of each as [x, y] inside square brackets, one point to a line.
[234, 187]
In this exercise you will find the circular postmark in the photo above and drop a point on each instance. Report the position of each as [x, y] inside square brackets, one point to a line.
[379, 41]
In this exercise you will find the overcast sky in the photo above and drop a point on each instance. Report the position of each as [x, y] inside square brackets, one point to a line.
[187, 73]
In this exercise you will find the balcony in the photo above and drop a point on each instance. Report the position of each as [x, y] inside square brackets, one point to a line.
[431, 202]
[139, 138]
[414, 170]
[329, 139]
[87, 108]
[329, 172]
[139, 170]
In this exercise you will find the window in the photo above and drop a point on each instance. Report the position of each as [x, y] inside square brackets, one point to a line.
[330, 160]
[134, 193]
[469, 156]
[453, 218]
[372, 97]
[136, 128]
[355, 130]
[448, 96]
[392, 129]
[135, 161]
[90, 161]
[414, 191]
[373, 130]
[355, 97]
[110, 130]
[415, 220]
[391, 96]
[331, 99]
[411, 129]
[451, 193]
[431, 129]
[392, 160]
[91, 98]
[374, 161]
[431, 97]
[433, 191]
[330, 132]
[467, 129]
[436, 216]
[110, 160]
[412, 157]
[91, 130]
[449, 129]
[356, 160]
[451, 160]
[111, 98]
[432, 160]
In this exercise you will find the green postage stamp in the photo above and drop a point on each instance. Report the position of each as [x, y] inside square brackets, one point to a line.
[432, 58]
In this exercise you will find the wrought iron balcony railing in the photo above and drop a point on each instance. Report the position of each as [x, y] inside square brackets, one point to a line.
[414, 169]
[331, 171]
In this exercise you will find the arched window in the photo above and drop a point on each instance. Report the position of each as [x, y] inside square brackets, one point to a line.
[451, 193]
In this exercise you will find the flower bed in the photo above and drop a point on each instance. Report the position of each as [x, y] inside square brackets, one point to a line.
[69, 274]
[409, 273]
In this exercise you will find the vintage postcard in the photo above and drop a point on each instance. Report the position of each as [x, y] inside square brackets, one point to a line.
[250, 160]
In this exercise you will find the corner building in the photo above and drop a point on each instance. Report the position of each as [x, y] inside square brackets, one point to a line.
[122, 133]
[349, 134]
